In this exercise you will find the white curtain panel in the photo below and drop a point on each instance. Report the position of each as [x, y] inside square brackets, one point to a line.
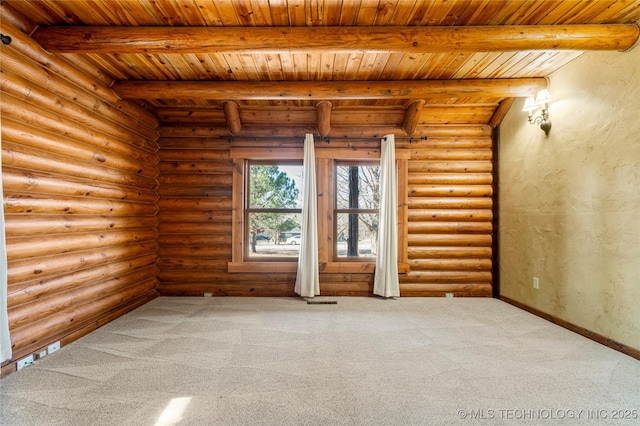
[386, 282]
[308, 276]
[5, 342]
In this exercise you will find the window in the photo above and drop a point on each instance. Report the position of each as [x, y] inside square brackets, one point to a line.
[357, 199]
[273, 210]
[269, 225]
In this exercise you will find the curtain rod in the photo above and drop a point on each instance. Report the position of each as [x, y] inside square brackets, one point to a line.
[326, 139]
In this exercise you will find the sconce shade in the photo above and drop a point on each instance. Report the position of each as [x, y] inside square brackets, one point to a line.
[541, 101]
[529, 105]
[543, 97]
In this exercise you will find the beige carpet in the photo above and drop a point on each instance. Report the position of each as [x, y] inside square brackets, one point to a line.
[364, 361]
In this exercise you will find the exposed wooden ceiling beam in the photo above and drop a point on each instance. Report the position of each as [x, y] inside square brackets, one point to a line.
[412, 116]
[323, 117]
[501, 112]
[382, 39]
[232, 117]
[327, 90]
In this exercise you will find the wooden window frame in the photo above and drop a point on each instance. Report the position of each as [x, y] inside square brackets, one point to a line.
[337, 163]
[326, 159]
[247, 209]
[325, 169]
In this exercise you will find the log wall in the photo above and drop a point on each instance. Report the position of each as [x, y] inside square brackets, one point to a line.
[79, 169]
[450, 217]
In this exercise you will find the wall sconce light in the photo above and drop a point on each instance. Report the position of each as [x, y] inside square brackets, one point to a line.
[541, 101]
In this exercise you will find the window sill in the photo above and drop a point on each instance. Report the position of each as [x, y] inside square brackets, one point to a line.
[325, 267]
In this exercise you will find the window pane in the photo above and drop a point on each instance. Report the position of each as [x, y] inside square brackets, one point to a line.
[274, 235]
[357, 235]
[275, 186]
[357, 186]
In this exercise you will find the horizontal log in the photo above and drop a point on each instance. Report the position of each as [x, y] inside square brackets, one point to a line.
[256, 289]
[194, 154]
[345, 278]
[195, 216]
[39, 117]
[184, 179]
[32, 182]
[186, 144]
[193, 167]
[451, 191]
[239, 279]
[192, 239]
[214, 136]
[345, 39]
[208, 228]
[348, 289]
[440, 290]
[26, 291]
[16, 203]
[452, 154]
[450, 167]
[194, 191]
[452, 116]
[43, 307]
[27, 225]
[449, 227]
[450, 265]
[18, 21]
[440, 203]
[214, 113]
[438, 142]
[195, 120]
[24, 157]
[196, 252]
[28, 47]
[336, 132]
[443, 277]
[66, 320]
[423, 215]
[456, 240]
[328, 90]
[55, 86]
[217, 203]
[83, 152]
[444, 115]
[461, 178]
[41, 267]
[378, 116]
[186, 265]
[455, 131]
[93, 150]
[450, 252]
[34, 246]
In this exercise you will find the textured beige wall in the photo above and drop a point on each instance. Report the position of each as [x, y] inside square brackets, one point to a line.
[570, 202]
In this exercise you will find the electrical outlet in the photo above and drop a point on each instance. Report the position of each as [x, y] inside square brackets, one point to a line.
[41, 354]
[54, 347]
[536, 283]
[448, 295]
[24, 362]
[208, 295]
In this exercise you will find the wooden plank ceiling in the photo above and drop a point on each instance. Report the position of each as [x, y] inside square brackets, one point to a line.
[376, 43]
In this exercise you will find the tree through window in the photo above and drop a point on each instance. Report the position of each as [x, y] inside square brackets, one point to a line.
[356, 212]
[273, 212]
